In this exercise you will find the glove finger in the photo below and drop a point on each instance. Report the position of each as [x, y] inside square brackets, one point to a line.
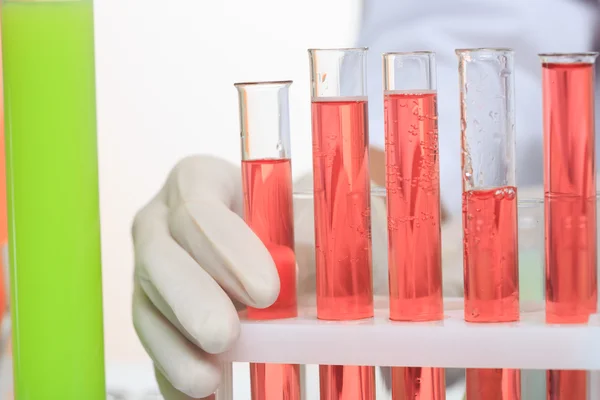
[187, 368]
[220, 241]
[205, 177]
[169, 392]
[203, 195]
[177, 286]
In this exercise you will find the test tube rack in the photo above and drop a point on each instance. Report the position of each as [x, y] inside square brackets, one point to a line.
[451, 343]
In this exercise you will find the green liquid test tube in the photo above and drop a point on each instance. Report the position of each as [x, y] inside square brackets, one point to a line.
[53, 205]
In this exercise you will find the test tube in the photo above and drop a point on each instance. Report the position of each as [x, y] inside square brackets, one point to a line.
[3, 215]
[413, 205]
[268, 211]
[342, 205]
[53, 203]
[490, 236]
[570, 201]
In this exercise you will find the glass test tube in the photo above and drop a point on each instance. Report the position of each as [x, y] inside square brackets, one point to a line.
[413, 204]
[489, 204]
[342, 205]
[268, 211]
[3, 214]
[53, 204]
[570, 201]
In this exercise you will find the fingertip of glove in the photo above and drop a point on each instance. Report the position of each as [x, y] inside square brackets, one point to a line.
[198, 380]
[265, 290]
[262, 285]
[264, 294]
[218, 331]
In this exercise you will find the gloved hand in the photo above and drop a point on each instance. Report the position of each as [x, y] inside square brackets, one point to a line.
[197, 263]
[195, 260]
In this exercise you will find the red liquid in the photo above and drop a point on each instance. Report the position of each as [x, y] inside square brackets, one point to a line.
[493, 384]
[346, 382]
[491, 271]
[570, 208]
[268, 212]
[570, 187]
[491, 265]
[413, 189]
[275, 381]
[342, 210]
[343, 233]
[418, 383]
[414, 237]
[566, 385]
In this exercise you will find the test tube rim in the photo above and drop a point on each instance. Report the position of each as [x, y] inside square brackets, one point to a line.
[503, 50]
[263, 83]
[588, 57]
[408, 53]
[341, 49]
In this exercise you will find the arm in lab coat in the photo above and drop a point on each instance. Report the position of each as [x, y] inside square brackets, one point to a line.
[528, 26]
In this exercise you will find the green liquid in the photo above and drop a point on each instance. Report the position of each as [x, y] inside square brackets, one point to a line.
[53, 210]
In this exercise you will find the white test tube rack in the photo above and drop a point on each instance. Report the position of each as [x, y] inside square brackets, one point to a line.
[451, 343]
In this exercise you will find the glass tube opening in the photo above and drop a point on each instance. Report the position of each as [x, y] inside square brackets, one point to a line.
[409, 72]
[264, 119]
[483, 53]
[568, 58]
[338, 73]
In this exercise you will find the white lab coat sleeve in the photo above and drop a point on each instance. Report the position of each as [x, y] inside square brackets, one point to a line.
[527, 26]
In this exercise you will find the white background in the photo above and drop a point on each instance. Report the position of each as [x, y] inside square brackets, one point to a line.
[165, 74]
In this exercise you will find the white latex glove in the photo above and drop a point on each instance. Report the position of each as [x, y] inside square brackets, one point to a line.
[193, 255]
[196, 261]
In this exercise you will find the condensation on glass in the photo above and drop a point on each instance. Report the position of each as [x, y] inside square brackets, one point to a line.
[487, 115]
